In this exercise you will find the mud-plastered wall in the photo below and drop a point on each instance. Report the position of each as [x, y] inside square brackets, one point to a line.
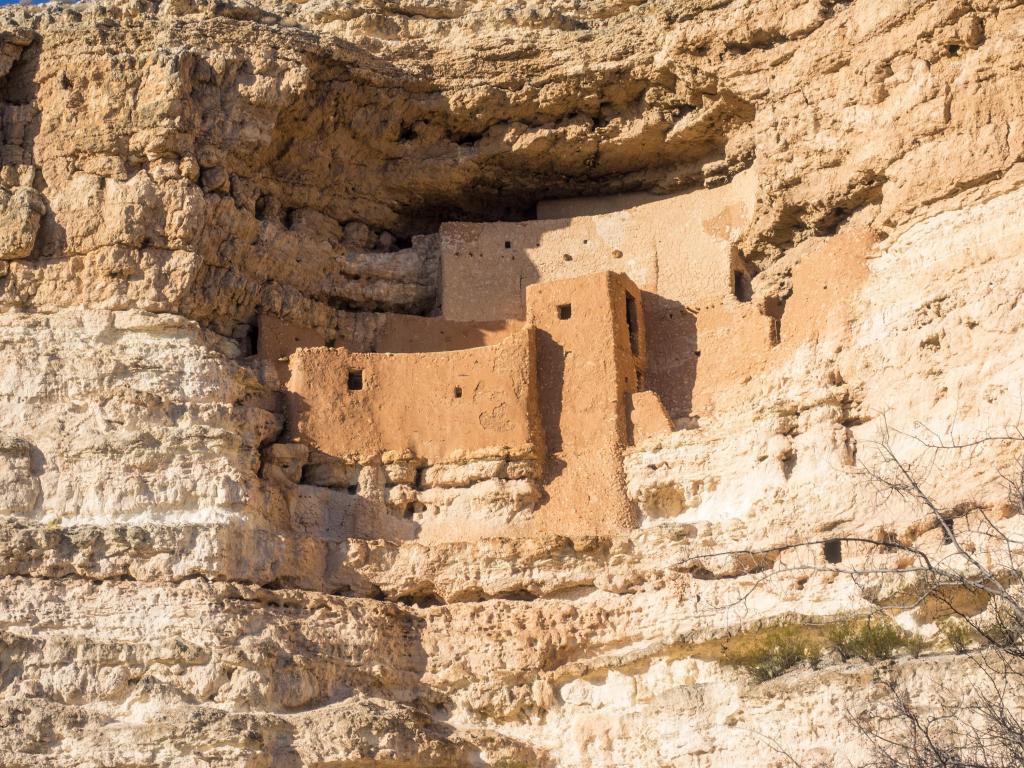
[590, 358]
[435, 406]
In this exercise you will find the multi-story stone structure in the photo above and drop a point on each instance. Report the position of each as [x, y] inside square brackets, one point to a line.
[555, 344]
[542, 413]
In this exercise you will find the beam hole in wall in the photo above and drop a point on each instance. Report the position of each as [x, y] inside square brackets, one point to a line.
[564, 311]
[418, 481]
[355, 379]
[833, 551]
[352, 490]
[567, 257]
[508, 245]
[458, 392]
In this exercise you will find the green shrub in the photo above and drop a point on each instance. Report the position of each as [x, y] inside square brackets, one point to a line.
[775, 652]
[914, 643]
[873, 639]
[957, 634]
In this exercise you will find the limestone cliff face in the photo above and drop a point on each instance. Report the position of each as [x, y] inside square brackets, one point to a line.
[178, 586]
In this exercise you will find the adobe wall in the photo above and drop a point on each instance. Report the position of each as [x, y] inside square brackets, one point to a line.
[647, 417]
[412, 333]
[383, 332]
[738, 342]
[587, 372]
[433, 405]
[278, 338]
[677, 249]
[485, 268]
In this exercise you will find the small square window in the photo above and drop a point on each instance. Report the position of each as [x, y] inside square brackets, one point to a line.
[947, 531]
[564, 311]
[458, 392]
[355, 380]
[508, 244]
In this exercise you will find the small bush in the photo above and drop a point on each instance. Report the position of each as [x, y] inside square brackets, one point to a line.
[1003, 628]
[872, 639]
[913, 643]
[776, 652]
[957, 634]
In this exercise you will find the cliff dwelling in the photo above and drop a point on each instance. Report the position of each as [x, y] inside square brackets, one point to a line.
[511, 383]
[555, 345]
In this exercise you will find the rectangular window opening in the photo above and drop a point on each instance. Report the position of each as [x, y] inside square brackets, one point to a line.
[833, 551]
[458, 392]
[355, 380]
[633, 323]
[564, 311]
[253, 337]
[741, 286]
[508, 245]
